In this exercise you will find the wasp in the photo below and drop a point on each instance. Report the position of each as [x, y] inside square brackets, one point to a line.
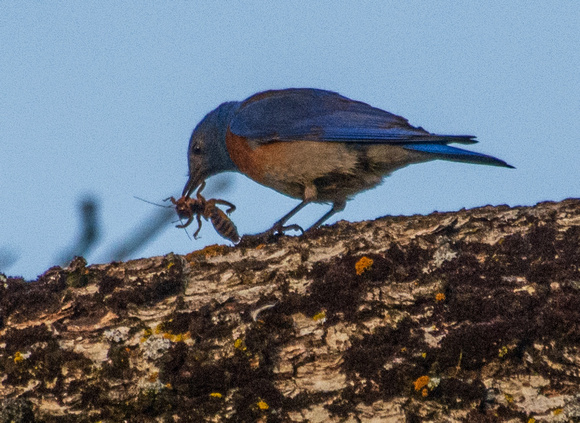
[187, 207]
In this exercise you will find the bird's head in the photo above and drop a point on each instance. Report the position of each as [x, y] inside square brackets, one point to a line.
[207, 153]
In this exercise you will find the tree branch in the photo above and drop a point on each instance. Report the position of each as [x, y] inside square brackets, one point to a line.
[466, 316]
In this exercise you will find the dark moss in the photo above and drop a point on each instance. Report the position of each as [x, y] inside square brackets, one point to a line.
[77, 279]
[43, 363]
[141, 293]
[403, 264]
[247, 397]
[88, 308]
[190, 374]
[338, 289]
[21, 339]
[92, 394]
[275, 329]
[344, 405]
[472, 346]
[194, 375]
[334, 288]
[16, 410]
[463, 270]
[151, 402]
[477, 416]
[182, 322]
[569, 247]
[200, 324]
[118, 365]
[455, 392]
[164, 286]
[246, 265]
[23, 300]
[107, 284]
[558, 319]
[398, 380]
[542, 241]
[299, 272]
[371, 358]
[481, 304]
[505, 413]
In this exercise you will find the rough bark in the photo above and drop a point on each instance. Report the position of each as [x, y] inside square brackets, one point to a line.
[468, 316]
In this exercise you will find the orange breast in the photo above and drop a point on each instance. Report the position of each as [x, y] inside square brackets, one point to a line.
[289, 167]
[243, 156]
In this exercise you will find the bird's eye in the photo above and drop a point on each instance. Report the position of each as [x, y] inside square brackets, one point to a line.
[196, 149]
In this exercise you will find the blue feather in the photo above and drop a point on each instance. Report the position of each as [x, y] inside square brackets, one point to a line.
[447, 152]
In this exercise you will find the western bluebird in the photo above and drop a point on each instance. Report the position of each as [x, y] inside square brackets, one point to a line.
[314, 145]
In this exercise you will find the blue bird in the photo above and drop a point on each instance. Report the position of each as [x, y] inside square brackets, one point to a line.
[314, 145]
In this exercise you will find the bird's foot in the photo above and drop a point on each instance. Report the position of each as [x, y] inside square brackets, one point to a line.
[269, 236]
[281, 229]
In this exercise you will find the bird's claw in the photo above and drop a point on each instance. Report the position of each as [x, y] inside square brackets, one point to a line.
[269, 236]
[279, 229]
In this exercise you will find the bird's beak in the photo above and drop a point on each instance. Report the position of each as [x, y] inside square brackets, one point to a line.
[192, 183]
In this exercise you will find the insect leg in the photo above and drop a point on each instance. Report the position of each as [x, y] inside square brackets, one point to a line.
[198, 217]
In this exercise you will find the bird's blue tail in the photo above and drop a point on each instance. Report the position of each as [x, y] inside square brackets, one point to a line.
[445, 152]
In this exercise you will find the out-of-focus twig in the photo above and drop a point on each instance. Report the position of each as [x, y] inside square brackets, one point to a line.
[141, 236]
[7, 258]
[89, 231]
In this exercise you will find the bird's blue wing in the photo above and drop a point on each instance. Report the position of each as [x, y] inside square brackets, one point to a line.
[317, 115]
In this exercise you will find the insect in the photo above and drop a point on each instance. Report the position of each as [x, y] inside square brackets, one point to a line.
[187, 207]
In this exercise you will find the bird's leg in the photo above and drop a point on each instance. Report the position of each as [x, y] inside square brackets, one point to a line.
[279, 227]
[310, 194]
[337, 206]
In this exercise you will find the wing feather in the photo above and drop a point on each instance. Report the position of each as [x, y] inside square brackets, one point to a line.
[319, 115]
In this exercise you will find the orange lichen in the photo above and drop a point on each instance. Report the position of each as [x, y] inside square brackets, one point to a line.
[176, 337]
[502, 351]
[180, 337]
[440, 297]
[319, 316]
[239, 344]
[363, 265]
[207, 252]
[149, 331]
[262, 405]
[215, 395]
[424, 392]
[18, 357]
[421, 383]
[259, 247]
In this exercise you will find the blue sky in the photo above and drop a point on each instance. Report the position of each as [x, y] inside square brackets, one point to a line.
[100, 98]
